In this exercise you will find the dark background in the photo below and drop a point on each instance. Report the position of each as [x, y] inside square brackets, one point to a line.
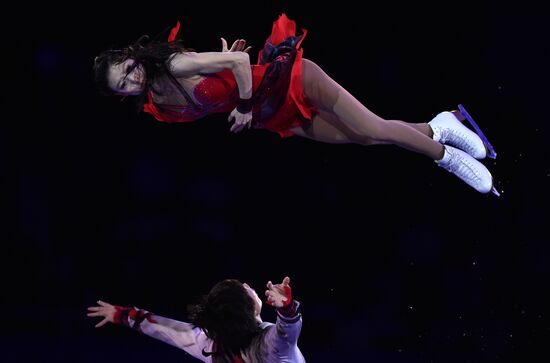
[393, 258]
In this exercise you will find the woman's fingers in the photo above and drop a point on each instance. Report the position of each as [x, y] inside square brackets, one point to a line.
[238, 45]
[236, 127]
[239, 125]
[241, 120]
[224, 45]
[233, 116]
[98, 313]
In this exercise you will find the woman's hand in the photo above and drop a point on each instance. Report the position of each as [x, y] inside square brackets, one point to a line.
[238, 46]
[105, 310]
[241, 120]
[279, 295]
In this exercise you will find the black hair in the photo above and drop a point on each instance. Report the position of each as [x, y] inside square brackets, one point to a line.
[227, 316]
[152, 55]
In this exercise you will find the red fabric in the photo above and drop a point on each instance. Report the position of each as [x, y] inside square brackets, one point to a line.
[122, 314]
[288, 293]
[215, 88]
[220, 90]
[133, 314]
[173, 32]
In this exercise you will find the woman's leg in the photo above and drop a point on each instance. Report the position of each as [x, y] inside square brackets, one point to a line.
[332, 98]
[325, 127]
[344, 119]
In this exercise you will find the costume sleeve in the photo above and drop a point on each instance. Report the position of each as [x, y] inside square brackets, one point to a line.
[283, 338]
[176, 333]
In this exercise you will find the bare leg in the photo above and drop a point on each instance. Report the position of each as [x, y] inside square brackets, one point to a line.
[326, 127]
[333, 99]
[422, 127]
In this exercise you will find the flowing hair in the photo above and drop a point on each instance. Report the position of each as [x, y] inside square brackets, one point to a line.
[152, 55]
[227, 316]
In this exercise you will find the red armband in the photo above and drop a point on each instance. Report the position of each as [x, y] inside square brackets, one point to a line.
[123, 313]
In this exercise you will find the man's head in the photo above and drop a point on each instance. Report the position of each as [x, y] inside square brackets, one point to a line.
[229, 314]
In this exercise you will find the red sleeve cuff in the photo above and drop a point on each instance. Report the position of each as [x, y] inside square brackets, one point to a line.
[290, 312]
[123, 314]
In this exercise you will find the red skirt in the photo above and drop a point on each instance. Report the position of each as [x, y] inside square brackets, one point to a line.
[281, 103]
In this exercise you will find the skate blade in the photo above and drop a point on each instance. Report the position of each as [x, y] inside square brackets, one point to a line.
[492, 153]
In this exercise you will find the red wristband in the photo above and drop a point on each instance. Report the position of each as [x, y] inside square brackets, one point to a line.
[122, 313]
[288, 293]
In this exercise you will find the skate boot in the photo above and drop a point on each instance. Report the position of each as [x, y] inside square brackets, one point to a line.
[490, 149]
[471, 171]
[448, 129]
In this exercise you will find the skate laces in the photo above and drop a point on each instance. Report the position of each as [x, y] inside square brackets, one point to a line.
[456, 138]
[462, 168]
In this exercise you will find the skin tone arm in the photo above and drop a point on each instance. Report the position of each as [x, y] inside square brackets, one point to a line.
[192, 63]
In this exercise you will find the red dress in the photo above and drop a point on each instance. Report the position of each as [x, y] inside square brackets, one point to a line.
[278, 99]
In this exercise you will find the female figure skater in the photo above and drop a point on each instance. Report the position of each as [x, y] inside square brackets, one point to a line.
[284, 93]
[225, 327]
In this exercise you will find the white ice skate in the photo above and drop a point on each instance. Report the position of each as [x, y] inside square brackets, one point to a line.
[470, 170]
[448, 129]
